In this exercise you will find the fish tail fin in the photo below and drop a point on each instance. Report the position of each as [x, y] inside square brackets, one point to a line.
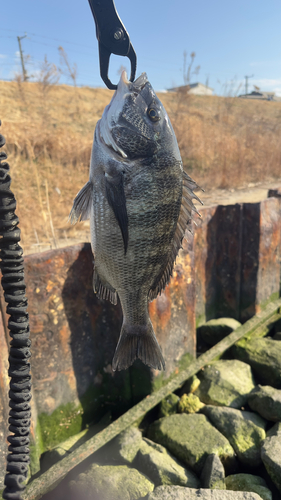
[137, 342]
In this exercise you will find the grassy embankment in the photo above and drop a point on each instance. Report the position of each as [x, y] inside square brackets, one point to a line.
[224, 142]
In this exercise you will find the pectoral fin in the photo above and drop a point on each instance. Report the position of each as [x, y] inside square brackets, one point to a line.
[82, 204]
[114, 188]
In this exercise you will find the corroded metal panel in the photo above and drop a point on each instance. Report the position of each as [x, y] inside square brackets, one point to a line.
[173, 312]
[249, 260]
[268, 279]
[228, 251]
[74, 334]
[217, 261]
[205, 264]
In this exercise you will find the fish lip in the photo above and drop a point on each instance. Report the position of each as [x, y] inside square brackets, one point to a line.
[125, 85]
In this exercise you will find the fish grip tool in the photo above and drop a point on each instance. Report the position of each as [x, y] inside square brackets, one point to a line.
[11, 265]
[112, 37]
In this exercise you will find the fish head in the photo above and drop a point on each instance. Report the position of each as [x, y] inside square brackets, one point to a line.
[135, 124]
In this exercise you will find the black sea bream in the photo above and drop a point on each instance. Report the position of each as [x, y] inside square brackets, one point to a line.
[139, 201]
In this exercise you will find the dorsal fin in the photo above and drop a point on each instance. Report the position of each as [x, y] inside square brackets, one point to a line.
[184, 219]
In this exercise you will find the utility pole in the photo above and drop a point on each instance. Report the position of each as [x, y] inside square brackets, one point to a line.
[246, 84]
[24, 74]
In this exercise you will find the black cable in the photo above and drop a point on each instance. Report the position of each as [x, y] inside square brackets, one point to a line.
[11, 265]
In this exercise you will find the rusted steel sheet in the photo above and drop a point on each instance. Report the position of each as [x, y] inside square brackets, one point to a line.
[173, 312]
[217, 261]
[237, 259]
[74, 334]
[228, 251]
[268, 282]
[205, 264]
[249, 259]
[260, 255]
[276, 193]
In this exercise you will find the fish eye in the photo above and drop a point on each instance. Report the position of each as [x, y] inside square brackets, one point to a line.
[153, 114]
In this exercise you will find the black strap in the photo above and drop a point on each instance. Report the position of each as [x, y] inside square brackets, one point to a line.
[13, 284]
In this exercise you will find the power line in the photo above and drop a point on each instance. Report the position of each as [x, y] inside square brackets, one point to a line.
[50, 38]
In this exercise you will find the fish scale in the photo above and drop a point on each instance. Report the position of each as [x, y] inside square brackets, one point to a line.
[139, 202]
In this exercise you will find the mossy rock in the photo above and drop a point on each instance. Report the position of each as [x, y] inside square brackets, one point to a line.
[168, 405]
[271, 457]
[126, 446]
[162, 468]
[213, 474]
[225, 383]
[216, 330]
[264, 356]
[181, 493]
[274, 430]
[189, 403]
[191, 438]
[248, 482]
[111, 482]
[191, 385]
[244, 430]
[266, 401]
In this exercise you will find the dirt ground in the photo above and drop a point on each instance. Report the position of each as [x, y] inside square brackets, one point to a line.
[250, 194]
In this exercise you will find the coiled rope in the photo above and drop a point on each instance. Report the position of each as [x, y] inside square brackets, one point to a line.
[11, 265]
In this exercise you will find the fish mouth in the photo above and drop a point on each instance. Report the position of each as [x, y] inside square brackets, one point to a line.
[125, 85]
[112, 111]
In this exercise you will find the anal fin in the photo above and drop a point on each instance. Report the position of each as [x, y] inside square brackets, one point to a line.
[103, 289]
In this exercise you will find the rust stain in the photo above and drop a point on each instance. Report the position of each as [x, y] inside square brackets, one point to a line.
[64, 338]
[69, 373]
[160, 309]
[50, 286]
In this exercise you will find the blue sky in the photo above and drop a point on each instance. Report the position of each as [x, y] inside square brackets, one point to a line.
[230, 39]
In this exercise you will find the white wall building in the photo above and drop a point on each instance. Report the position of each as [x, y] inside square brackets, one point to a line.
[194, 88]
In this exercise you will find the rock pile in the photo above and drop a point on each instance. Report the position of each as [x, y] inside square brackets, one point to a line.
[219, 441]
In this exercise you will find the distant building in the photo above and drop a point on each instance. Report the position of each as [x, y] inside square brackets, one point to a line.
[193, 88]
[261, 94]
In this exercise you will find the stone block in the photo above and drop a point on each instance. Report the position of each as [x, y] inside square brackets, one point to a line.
[191, 438]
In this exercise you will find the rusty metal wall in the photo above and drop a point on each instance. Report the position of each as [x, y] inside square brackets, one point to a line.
[237, 259]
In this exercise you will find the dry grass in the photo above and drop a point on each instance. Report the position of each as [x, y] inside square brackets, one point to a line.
[225, 142]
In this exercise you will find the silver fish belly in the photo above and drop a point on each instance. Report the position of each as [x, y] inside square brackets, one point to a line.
[139, 201]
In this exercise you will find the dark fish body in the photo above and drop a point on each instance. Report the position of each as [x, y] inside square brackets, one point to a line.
[139, 202]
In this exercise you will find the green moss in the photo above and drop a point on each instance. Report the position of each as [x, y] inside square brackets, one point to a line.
[200, 320]
[64, 422]
[189, 403]
[36, 448]
[168, 405]
[273, 296]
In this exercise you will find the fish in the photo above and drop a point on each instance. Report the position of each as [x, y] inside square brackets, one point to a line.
[139, 201]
